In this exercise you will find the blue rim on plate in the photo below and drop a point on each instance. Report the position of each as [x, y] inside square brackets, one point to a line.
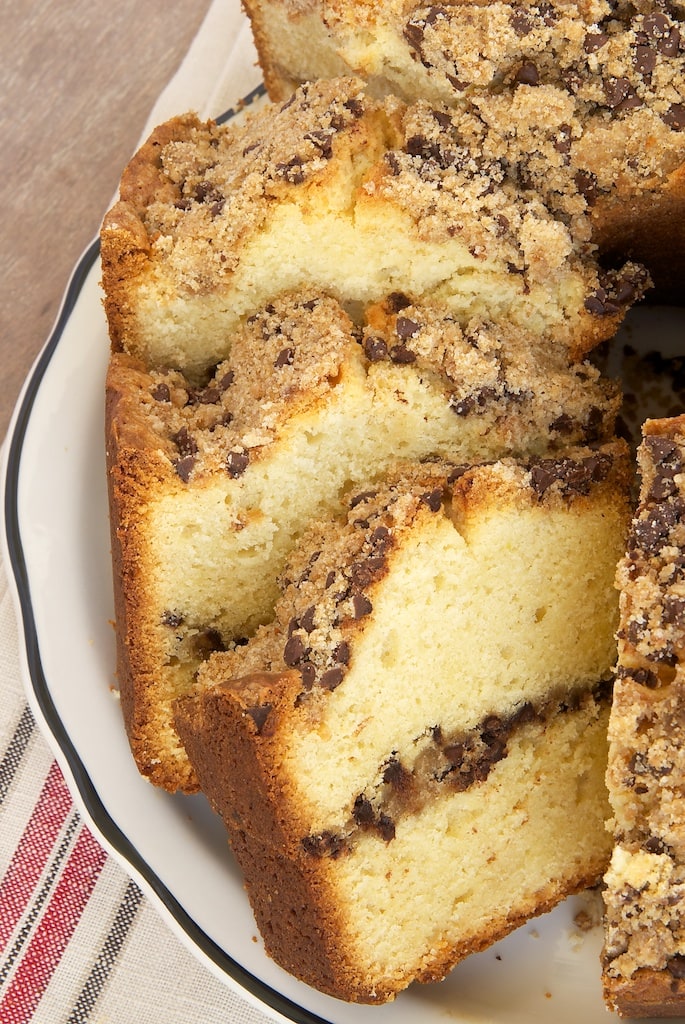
[111, 833]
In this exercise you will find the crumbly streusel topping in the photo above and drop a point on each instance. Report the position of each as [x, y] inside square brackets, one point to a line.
[223, 178]
[493, 174]
[293, 353]
[646, 883]
[283, 359]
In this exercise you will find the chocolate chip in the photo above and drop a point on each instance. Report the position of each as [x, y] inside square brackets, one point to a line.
[332, 678]
[620, 94]
[294, 651]
[599, 304]
[237, 463]
[341, 654]
[675, 117]
[307, 619]
[381, 537]
[357, 499]
[433, 499]
[361, 605]
[645, 60]
[662, 30]
[208, 396]
[406, 328]
[226, 380]
[308, 673]
[259, 714]
[375, 349]
[184, 467]
[674, 610]
[651, 532]
[397, 301]
[210, 195]
[663, 451]
[669, 45]
[586, 183]
[521, 21]
[396, 775]
[355, 107]
[291, 170]
[402, 355]
[285, 357]
[676, 966]
[655, 845]
[542, 476]
[325, 844]
[362, 811]
[413, 32]
[185, 442]
[595, 41]
[323, 142]
[161, 393]
[386, 827]
[563, 424]
[562, 143]
[527, 74]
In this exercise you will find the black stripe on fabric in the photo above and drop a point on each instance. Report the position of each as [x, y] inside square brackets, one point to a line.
[15, 751]
[107, 957]
[41, 899]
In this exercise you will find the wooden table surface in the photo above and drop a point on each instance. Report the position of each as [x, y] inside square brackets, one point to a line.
[77, 83]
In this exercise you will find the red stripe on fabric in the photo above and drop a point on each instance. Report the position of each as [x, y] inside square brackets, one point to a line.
[52, 935]
[33, 851]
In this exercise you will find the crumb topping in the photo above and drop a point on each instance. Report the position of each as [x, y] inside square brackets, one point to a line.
[295, 352]
[494, 173]
[224, 178]
[282, 360]
[646, 883]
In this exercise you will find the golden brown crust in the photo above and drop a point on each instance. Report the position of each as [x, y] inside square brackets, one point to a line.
[135, 466]
[648, 993]
[291, 895]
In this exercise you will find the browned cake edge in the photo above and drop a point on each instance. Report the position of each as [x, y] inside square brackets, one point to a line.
[124, 241]
[648, 993]
[132, 465]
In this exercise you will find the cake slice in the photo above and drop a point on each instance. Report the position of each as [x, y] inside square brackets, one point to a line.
[644, 952]
[591, 92]
[338, 193]
[410, 758]
[211, 485]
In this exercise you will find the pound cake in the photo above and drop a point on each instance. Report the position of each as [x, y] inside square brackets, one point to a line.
[644, 952]
[398, 752]
[596, 88]
[336, 192]
[210, 485]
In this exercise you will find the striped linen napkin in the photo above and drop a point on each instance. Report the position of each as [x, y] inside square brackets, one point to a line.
[79, 941]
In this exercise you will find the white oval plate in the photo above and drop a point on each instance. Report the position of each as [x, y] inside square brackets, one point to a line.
[57, 547]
